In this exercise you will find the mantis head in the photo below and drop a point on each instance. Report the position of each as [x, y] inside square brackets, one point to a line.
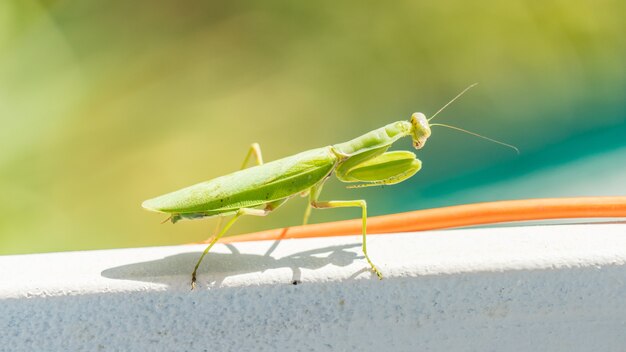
[420, 129]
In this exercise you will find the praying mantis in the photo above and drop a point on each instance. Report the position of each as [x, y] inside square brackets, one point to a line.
[261, 189]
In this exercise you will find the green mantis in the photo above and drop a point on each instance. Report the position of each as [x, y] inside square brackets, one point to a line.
[261, 189]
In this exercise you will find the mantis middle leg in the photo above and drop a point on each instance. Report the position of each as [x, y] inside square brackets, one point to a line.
[307, 214]
[315, 203]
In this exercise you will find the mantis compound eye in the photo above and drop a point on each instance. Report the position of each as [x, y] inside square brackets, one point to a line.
[421, 129]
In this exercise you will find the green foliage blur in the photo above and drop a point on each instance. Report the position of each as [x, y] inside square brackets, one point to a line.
[104, 104]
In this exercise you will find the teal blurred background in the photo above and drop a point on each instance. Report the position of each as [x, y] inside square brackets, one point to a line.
[106, 103]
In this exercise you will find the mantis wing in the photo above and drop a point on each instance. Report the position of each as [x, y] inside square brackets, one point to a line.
[249, 187]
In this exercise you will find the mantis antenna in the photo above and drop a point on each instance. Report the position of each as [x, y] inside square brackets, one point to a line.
[453, 99]
[466, 131]
[477, 135]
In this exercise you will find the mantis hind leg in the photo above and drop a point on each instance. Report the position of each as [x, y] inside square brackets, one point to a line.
[346, 203]
[215, 232]
[269, 207]
[255, 149]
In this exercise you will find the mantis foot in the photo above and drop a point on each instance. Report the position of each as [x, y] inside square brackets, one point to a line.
[193, 281]
[374, 268]
[377, 272]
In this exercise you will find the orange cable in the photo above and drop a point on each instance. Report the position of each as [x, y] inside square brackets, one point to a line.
[454, 216]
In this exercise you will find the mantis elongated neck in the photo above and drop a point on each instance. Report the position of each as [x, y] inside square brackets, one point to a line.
[378, 138]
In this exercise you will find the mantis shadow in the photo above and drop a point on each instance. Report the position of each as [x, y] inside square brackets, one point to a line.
[219, 266]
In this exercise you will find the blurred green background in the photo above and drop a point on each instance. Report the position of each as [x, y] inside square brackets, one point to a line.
[106, 103]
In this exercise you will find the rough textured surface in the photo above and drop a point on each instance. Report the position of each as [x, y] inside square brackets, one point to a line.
[556, 288]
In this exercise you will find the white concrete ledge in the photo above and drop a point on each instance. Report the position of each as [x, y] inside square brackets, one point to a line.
[535, 288]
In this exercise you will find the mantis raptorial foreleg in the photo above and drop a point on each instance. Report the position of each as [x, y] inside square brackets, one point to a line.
[385, 169]
[341, 204]
[380, 171]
